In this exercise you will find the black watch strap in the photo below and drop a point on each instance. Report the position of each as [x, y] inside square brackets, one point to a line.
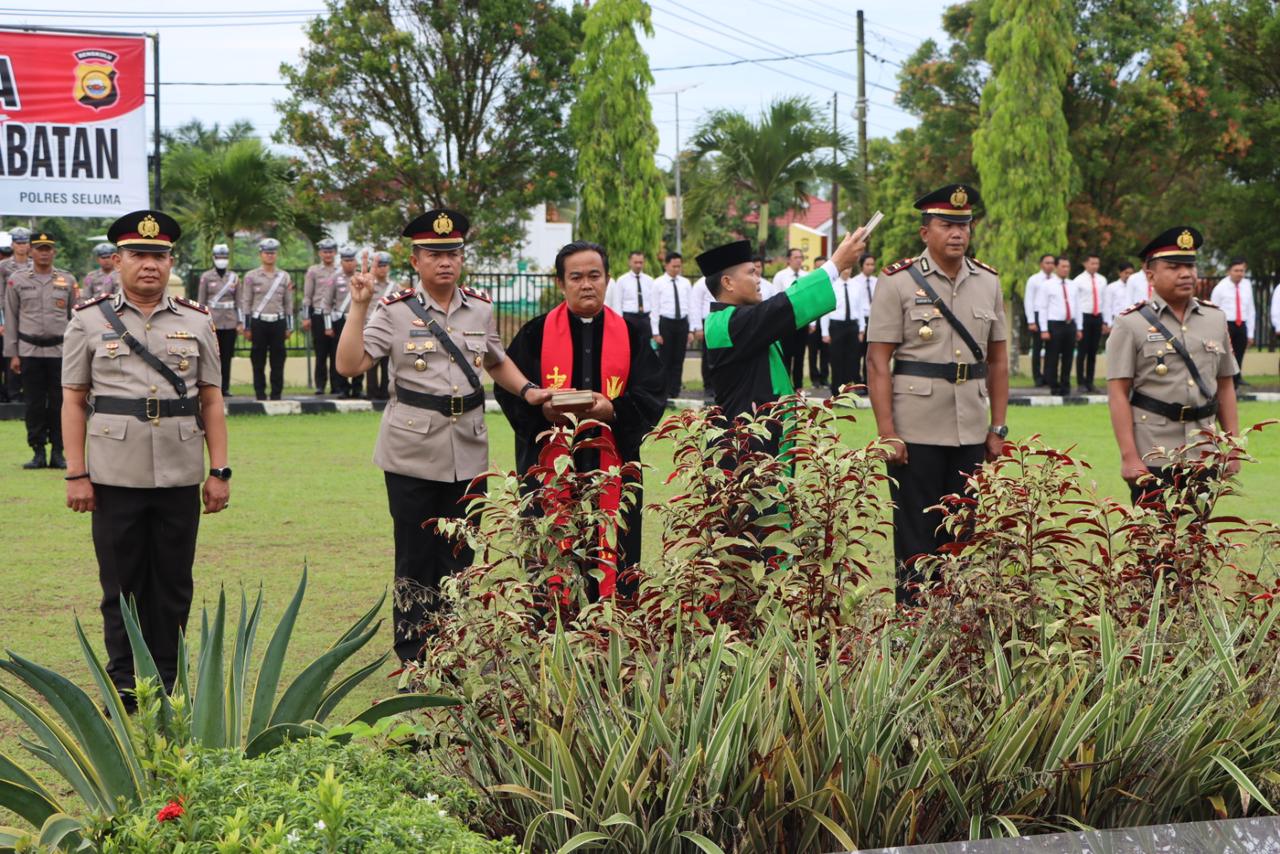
[223, 473]
[525, 388]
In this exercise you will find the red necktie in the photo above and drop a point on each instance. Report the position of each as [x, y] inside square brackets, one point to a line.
[1239, 313]
[1066, 300]
[1093, 280]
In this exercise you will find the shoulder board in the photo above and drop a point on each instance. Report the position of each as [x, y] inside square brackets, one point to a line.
[398, 296]
[477, 294]
[898, 267]
[1207, 304]
[985, 266]
[1131, 309]
[190, 303]
[99, 298]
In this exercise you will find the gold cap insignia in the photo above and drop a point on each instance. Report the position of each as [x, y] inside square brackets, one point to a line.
[959, 198]
[148, 228]
[443, 225]
[1186, 241]
[43, 237]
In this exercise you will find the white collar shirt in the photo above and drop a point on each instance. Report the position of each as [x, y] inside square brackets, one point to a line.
[630, 293]
[1057, 302]
[1235, 301]
[1089, 292]
[671, 299]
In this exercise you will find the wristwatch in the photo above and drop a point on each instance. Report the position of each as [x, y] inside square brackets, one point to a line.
[222, 473]
[527, 386]
[1001, 430]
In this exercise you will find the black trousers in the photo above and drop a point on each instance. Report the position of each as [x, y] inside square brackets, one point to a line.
[42, 390]
[323, 348]
[4, 375]
[1037, 347]
[675, 337]
[376, 379]
[145, 540]
[818, 357]
[1087, 354]
[423, 557]
[846, 354]
[1239, 335]
[226, 351]
[340, 384]
[793, 346]
[268, 342]
[1057, 356]
[708, 387]
[931, 472]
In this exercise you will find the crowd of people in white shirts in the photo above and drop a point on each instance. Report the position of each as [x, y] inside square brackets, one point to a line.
[1068, 317]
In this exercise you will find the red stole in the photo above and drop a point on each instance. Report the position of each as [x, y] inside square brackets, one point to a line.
[556, 369]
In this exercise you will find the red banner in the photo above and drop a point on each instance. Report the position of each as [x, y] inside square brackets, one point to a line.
[72, 124]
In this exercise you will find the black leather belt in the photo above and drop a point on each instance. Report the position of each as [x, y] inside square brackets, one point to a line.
[1174, 411]
[954, 372]
[442, 403]
[147, 408]
[40, 340]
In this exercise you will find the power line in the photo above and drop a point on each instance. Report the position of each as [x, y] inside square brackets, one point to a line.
[759, 60]
[161, 15]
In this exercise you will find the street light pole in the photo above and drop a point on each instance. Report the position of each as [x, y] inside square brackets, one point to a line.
[676, 90]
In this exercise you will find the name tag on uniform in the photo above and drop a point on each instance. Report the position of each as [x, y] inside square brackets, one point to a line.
[419, 333]
[179, 334]
[475, 332]
[1156, 336]
[923, 301]
[110, 336]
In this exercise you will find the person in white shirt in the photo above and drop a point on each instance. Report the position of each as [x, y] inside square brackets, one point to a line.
[844, 328]
[815, 345]
[766, 286]
[700, 300]
[632, 293]
[669, 320]
[1115, 298]
[1059, 314]
[1234, 295]
[1139, 288]
[1030, 300]
[1089, 294]
[792, 345]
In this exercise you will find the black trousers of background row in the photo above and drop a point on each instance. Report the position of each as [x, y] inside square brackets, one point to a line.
[1057, 356]
[708, 387]
[818, 361]
[1087, 354]
[423, 557]
[1239, 335]
[846, 354]
[1037, 347]
[323, 349]
[675, 338]
[376, 379]
[793, 346]
[268, 343]
[4, 375]
[931, 472]
[340, 384]
[226, 351]
[145, 540]
[42, 391]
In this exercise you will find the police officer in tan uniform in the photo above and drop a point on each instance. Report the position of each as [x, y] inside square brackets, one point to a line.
[383, 286]
[1170, 368]
[19, 258]
[218, 289]
[103, 279]
[266, 304]
[142, 390]
[316, 285]
[433, 439]
[38, 304]
[334, 304]
[939, 317]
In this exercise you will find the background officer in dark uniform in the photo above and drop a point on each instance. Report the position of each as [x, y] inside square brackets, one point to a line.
[940, 318]
[143, 387]
[1170, 368]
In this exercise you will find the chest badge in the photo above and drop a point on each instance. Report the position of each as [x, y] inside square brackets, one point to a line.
[429, 346]
[1161, 367]
[183, 364]
[926, 332]
[419, 364]
[419, 322]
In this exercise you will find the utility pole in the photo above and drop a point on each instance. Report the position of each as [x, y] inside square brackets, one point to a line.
[676, 90]
[835, 164]
[863, 211]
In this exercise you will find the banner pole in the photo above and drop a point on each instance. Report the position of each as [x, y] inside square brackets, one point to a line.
[155, 84]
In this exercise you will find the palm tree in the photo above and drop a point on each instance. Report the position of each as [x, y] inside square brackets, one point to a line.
[755, 162]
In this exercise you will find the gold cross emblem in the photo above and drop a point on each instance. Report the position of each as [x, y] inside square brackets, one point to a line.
[555, 378]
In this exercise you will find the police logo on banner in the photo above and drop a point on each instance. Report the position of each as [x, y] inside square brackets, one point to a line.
[96, 78]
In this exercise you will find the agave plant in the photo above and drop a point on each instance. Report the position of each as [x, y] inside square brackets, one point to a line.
[99, 750]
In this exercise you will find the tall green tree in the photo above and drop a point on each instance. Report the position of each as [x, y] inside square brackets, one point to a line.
[1020, 147]
[619, 184]
[779, 155]
[400, 107]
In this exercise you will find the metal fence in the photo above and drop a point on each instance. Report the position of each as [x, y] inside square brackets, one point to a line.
[517, 298]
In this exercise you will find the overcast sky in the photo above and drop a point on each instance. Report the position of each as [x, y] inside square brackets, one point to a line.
[206, 42]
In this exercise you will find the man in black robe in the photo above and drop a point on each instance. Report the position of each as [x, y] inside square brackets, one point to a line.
[629, 395]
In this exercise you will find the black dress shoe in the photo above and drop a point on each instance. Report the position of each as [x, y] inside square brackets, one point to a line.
[38, 461]
[57, 460]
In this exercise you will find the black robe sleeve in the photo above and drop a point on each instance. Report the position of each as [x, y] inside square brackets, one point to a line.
[526, 421]
[754, 328]
[640, 406]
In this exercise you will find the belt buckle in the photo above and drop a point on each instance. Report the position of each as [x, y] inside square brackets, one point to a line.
[962, 372]
[150, 404]
[1184, 414]
[455, 406]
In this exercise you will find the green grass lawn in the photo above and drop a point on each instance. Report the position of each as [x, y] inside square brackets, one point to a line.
[305, 490]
